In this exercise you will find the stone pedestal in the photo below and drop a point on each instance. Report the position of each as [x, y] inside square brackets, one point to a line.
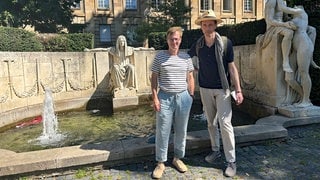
[123, 102]
[124, 93]
[293, 112]
[270, 83]
[125, 98]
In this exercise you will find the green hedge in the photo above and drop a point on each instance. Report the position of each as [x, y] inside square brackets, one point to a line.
[13, 39]
[69, 42]
[243, 33]
[239, 34]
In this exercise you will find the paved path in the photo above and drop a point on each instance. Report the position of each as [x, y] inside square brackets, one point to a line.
[296, 157]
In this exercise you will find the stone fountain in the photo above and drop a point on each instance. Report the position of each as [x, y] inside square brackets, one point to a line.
[88, 80]
[50, 134]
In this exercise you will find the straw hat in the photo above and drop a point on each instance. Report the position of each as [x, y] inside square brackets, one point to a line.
[206, 16]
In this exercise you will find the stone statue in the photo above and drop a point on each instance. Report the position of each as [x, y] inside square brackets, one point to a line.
[274, 14]
[303, 47]
[297, 47]
[122, 66]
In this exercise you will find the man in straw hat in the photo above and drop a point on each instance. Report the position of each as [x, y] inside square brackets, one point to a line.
[216, 72]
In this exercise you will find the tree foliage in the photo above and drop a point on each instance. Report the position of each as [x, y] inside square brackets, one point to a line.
[159, 19]
[46, 16]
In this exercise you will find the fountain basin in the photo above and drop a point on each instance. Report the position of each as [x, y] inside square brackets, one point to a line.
[95, 126]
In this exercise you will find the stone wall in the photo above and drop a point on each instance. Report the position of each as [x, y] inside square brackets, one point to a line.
[77, 78]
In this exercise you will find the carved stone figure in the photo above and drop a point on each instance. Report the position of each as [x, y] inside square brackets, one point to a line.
[274, 11]
[122, 66]
[303, 46]
[297, 47]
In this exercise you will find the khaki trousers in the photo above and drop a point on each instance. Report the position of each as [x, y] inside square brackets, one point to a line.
[218, 111]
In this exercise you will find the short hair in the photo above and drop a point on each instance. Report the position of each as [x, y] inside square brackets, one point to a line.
[175, 29]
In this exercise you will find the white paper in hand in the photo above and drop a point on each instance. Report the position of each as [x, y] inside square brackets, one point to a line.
[233, 94]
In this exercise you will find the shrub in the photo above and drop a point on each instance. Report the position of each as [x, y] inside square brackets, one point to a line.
[239, 34]
[13, 39]
[67, 42]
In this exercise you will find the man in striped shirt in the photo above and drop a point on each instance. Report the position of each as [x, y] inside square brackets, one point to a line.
[172, 86]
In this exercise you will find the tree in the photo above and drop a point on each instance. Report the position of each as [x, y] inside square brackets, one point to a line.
[49, 16]
[10, 13]
[159, 19]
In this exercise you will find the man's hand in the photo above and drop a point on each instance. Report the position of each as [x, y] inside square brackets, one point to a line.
[156, 105]
[240, 98]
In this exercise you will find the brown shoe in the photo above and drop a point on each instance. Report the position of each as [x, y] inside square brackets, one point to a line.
[158, 171]
[181, 167]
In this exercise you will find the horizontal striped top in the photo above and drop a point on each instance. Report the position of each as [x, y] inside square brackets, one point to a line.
[172, 71]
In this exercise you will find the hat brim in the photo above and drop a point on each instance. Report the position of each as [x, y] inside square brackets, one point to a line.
[198, 21]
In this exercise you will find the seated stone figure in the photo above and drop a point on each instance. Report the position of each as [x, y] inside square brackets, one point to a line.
[275, 12]
[274, 17]
[122, 69]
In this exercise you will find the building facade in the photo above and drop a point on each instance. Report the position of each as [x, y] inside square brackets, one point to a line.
[108, 19]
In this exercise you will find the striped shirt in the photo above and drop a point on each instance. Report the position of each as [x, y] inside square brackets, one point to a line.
[172, 71]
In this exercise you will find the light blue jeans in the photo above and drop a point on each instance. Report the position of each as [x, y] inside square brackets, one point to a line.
[174, 110]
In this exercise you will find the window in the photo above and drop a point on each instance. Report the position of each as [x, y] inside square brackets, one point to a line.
[131, 4]
[103, 4]
[105, 33]
[247, 5]
[76, 5]
[156, 3]
[131, 34]
[227, 5]
[205, 5]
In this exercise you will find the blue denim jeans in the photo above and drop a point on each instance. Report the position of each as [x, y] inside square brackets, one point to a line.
[174, 110]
